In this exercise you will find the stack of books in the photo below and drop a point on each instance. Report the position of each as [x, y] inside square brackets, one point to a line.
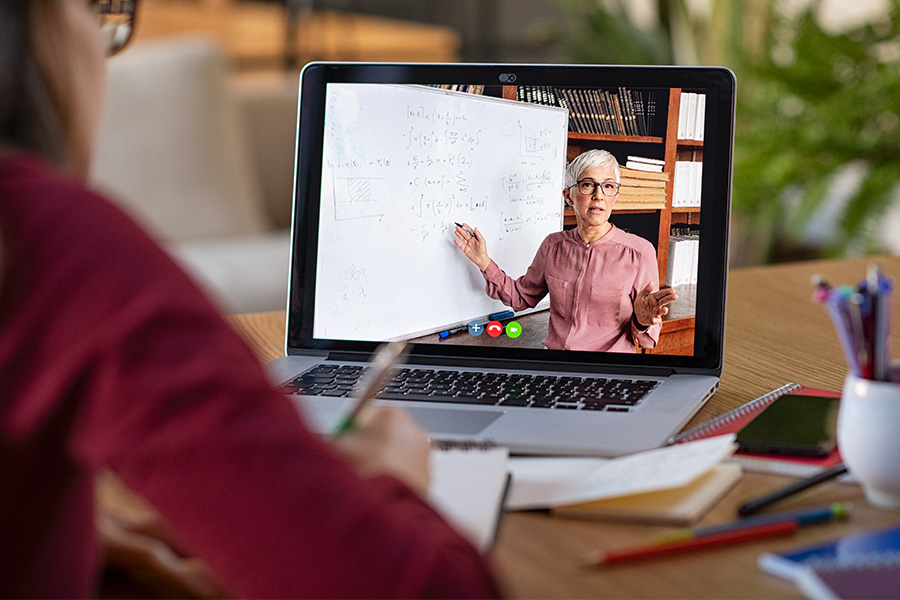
[642, 189]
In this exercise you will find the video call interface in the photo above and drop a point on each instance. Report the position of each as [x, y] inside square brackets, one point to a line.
[406, 168]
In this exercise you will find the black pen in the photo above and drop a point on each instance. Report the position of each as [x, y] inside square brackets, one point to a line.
[757, 504]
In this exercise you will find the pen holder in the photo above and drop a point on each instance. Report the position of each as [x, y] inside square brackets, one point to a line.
[868, 434]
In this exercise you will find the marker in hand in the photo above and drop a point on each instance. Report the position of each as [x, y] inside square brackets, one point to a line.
[387, 356]
[469, 231]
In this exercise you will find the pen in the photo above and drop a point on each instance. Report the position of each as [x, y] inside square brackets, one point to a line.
[757, 504]
[467, 230]
[499, 316]
[386, 357]
[599, 558]
[879, 351]
[861, 317]
[803, 517]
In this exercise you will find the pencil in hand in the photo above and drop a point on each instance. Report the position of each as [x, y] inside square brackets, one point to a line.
[386, 357]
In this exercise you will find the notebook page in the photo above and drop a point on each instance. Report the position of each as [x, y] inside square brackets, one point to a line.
[468, 486]
[549, 482]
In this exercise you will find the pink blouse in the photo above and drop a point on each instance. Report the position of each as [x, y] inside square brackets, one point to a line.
[592, 289]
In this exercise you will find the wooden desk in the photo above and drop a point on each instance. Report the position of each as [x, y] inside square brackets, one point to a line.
[774, 335]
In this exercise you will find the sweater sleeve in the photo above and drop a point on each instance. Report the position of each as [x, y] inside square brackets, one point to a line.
[170, 397]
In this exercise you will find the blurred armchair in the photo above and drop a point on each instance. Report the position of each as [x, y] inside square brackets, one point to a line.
[205, 163]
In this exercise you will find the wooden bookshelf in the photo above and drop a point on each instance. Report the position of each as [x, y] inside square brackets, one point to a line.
[602, 137]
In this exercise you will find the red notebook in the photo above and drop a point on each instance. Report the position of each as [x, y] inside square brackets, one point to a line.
[735, 420]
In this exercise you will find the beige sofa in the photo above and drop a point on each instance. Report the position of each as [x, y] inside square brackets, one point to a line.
[204, 160]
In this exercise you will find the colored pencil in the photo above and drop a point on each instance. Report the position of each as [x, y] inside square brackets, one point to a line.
[601, 558]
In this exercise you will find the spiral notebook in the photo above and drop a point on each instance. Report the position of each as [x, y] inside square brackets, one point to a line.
[735, 420]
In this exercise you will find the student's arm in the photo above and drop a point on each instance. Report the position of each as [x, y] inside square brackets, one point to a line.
[161, 390]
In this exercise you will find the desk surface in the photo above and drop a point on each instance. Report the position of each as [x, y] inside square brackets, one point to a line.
[774, 335]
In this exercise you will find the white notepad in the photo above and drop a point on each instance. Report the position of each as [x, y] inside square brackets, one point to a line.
[468, 487]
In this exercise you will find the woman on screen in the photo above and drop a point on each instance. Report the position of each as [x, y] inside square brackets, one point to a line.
[602, 281]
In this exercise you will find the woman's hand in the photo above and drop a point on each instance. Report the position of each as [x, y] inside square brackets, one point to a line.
[650, 307]
[142, 545]
[471, 242]
[387, 441]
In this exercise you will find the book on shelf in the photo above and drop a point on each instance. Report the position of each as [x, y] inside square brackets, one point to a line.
[640, 163]
[692, 116]
[681, 269]
[458, 87]
[641, 182]
[700, 118]
[612, 100]
[623, 111]
[655, 486]
[854, 552]
[686, 186]
[643, 174]
[736, 419]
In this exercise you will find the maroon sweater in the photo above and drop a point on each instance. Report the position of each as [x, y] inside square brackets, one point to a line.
[111, 357]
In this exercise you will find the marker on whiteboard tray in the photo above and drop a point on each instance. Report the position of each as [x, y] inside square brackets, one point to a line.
[503, 314]
[448, 332]
[467, 230]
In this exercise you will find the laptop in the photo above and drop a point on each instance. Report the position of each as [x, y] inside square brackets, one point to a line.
[391, 157]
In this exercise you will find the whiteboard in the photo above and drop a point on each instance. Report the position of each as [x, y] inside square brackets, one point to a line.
[400, 164]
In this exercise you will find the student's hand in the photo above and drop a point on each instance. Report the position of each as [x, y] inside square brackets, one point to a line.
[472, 245]
[141, 545]
[386, 441]
[650, 307]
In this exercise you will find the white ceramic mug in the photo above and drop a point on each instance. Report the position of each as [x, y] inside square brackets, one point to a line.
[868, 436]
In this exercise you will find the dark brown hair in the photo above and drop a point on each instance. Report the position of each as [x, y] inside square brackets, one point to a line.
[34, 112]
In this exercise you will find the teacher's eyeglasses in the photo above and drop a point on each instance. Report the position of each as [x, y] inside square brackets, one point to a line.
[587, 187]
[116, 19]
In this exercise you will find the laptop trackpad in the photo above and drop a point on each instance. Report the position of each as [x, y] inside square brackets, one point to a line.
[441, 420]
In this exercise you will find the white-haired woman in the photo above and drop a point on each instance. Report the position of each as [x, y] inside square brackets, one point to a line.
[603, 282]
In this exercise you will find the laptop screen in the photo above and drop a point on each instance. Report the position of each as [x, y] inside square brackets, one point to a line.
[433, 205]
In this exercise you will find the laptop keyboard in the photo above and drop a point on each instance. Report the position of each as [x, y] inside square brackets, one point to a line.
[474, 387]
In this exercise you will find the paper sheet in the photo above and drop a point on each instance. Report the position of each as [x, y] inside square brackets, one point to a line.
[548, 482]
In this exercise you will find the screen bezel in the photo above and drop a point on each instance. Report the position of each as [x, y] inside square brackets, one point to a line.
[715, 204]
